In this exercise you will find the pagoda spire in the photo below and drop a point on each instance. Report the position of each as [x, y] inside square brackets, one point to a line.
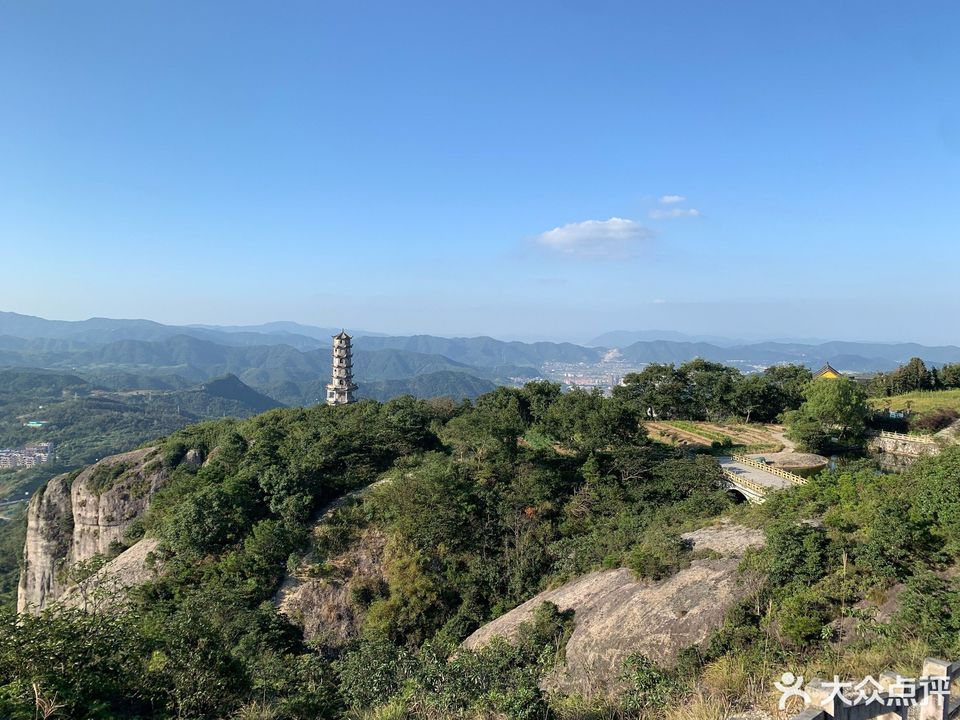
[342, 389]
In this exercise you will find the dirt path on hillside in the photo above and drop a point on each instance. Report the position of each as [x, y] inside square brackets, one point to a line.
[779, 432]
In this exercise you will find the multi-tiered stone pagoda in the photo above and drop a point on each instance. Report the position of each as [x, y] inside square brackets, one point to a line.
[341, 389]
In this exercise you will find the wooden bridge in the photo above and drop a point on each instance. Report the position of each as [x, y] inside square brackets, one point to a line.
[754, 479]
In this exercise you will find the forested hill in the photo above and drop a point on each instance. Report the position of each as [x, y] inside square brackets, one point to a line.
[443, 383]
[86, 421]
[232, 389]
[233, 512]
[469, 511]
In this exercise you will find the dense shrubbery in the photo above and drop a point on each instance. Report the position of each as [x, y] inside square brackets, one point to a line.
[500, 677]
[837, 548]
[852, 535]
[703, 390]
[483, 505]
[935, 420]
[833, 416]
[477, 520]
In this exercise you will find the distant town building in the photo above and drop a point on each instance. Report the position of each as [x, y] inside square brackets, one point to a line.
[827, 372]
[341, 389]
[26, 457]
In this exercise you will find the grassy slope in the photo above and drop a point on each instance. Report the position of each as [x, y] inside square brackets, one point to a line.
[921, 401]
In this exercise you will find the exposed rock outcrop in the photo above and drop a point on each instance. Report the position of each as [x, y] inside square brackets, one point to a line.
[325, 607]
[49, 538]
[950, 435]
[319, 598]
[617, 615]
[134, 566]
[71, 521]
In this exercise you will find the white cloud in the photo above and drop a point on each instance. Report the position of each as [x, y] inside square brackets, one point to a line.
[615, 237]
[661, 214]
[671, 199]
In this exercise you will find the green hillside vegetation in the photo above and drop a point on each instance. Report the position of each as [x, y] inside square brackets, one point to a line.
[920, 401]
[13, 534]
[119, 380]
[86, 422]
[916, 376]
[230, 528]
[477, 523]
[444, 383]
[832, 418]
[930, 397]
[231, 389]
[704, 390]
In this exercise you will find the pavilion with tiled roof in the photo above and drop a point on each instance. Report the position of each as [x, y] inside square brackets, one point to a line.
[828, 372]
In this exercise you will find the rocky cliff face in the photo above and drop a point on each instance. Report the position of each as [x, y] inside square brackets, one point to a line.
[617, 615]
[134, 566]
[70, 521]
[49, 536]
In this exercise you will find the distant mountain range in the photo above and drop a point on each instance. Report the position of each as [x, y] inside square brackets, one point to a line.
[104, 330]
[284, 327]
[623, 338]
[289, 362]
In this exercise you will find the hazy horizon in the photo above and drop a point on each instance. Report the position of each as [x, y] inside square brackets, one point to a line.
[541, 170]
[699, 336]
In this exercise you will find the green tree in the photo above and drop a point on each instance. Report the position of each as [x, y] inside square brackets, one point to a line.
[790, 381]
[797, 555]
[910, 377]
[540, 395]
[494, 425]
[834, 412]
[950, 375]
[88, 664]
[710, 387]
[657, 391]
[756, 398]
[585, 422]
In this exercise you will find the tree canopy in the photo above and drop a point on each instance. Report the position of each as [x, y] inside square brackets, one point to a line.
[833, 414]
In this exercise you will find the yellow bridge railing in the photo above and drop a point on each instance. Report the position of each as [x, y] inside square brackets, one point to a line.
[785, 474]
[759, 489]
[909, 438]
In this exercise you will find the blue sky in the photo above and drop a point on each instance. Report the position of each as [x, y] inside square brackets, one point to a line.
[533, 170]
